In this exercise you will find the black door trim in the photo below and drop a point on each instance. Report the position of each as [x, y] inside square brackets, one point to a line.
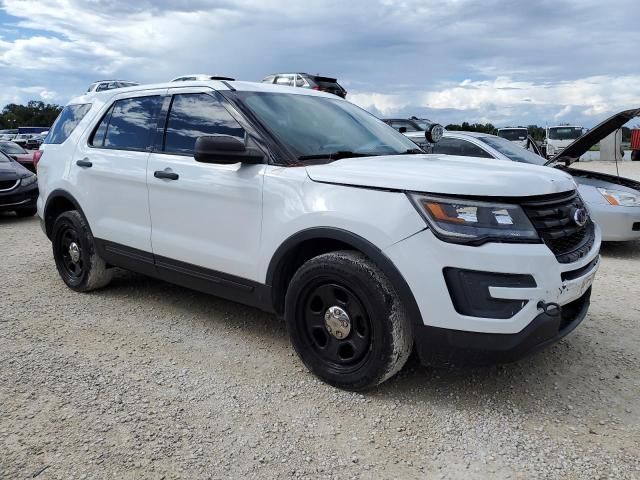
[187, 275]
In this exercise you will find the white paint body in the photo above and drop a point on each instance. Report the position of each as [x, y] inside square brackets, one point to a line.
[233, 218]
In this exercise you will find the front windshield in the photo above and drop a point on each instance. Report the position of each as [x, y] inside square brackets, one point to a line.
[513, 133]
[320, 127]
[12, 148]
[565, 133]
[512, 151]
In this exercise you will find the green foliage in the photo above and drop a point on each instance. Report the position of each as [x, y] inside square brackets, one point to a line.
[33, 114]
[475, 127]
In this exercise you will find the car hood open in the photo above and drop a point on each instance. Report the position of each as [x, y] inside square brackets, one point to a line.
[444, 174]
[580, 146]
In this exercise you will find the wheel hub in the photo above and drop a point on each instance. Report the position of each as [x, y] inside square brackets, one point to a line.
[337, 322]
[74, 252]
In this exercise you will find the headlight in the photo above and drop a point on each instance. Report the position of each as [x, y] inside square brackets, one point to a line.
[471, 222]
[26, 181]
[620, 198]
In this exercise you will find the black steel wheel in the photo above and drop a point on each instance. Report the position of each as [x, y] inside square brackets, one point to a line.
[346, 321]
[336, 323]
[78, 263]
[67, 245]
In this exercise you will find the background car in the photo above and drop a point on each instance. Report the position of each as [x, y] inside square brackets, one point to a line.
[34, 142]
[19, 154]
[305, 80]
[613, 202]
[421, 131]
[21, 139]
[18, 188]
[201, 76]
[102, 85]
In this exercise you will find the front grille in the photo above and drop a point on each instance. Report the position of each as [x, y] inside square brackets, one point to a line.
[552, 216]
[8, 184]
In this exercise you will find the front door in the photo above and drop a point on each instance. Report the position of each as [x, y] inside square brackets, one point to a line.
[206, 218]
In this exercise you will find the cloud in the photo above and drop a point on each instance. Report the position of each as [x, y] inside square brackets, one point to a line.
[497, 59]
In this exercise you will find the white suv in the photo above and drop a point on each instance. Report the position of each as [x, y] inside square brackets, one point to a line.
[302, 204]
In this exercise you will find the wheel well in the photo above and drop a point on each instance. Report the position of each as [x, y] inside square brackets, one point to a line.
[294, 258]
[54, 208]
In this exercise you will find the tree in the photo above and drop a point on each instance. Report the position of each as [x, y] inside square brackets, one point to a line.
[34, 114]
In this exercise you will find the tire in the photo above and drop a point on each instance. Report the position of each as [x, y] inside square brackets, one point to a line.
[26, 212]
[83, 269]
[372, 335]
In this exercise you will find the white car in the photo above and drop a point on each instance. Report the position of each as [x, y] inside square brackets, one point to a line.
[613, 201]
[103, 85]
[304, 205]
[200, 77]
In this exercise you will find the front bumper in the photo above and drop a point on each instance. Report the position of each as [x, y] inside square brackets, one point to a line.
[422, 260]
[21, 197]
[617, 223]
[438, 345]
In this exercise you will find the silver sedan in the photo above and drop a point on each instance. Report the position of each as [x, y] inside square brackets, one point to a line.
[613, 202]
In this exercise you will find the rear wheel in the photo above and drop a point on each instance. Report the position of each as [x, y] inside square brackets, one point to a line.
[78, 263]
[346, 321]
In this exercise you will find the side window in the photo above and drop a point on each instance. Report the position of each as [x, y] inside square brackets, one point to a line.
[102, 87]
[66, 122]
[193, 115]
[456, 146]
[97, 139]
[448, 146]
[128, 124]
[471, 150]
[301, 82]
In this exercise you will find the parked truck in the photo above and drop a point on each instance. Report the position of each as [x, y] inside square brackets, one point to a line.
[559, 136]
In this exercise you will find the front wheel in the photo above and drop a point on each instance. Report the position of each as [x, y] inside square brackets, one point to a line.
[78, 263]
[346, 321]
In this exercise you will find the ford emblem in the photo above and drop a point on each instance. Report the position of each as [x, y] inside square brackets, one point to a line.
[580, 216]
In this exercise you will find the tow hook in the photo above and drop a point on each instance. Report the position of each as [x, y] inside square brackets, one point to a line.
[551, 309]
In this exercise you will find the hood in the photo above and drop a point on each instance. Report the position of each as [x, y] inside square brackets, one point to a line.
[13, 170]
[444, 174]
[604, 177]
[580, 146]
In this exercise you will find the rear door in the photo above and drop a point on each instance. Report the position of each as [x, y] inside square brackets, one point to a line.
[207, 218]
[110, 170]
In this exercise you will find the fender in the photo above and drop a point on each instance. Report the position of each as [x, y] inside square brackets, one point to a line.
[54, 195]
[276, 269]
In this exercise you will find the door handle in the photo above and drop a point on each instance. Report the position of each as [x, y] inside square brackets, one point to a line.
[166, 175]
[84, 163]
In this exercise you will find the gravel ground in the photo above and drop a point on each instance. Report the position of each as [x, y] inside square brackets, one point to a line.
[148, 380]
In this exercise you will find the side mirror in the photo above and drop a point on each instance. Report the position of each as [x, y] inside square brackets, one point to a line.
[225, 149]
[402, 129]
[434, 133]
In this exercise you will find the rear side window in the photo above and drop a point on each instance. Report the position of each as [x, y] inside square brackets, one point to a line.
[128, 124]
[456, 146]
[193, 115]
[66, 122]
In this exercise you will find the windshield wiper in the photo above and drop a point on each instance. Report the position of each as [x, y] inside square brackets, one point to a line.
[336, 155]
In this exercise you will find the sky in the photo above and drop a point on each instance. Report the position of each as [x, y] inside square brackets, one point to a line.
[500, 61]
